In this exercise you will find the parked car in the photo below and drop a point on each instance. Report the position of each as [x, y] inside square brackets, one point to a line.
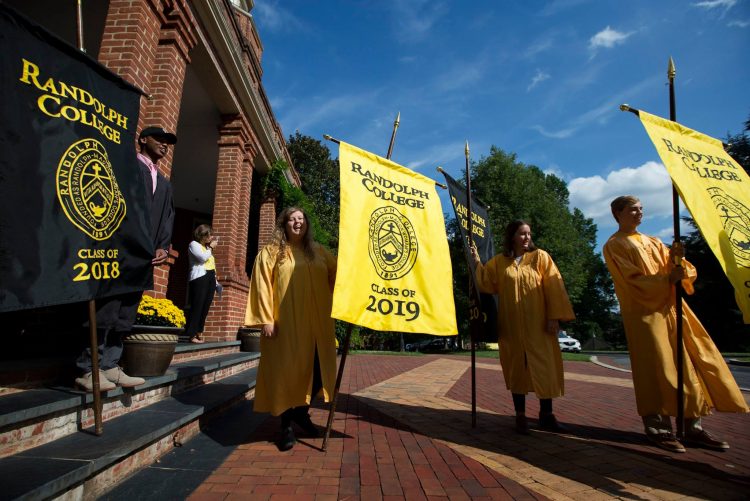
[433, 345]
[568, 343]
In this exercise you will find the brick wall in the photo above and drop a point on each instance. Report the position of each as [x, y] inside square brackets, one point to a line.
[267, 221]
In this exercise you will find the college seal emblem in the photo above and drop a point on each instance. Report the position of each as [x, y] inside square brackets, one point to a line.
[393, 243]
[735, 218]
[88, 191]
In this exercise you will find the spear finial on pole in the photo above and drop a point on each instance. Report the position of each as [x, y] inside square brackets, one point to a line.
[393, 135]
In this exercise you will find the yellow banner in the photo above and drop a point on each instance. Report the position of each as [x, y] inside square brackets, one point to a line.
[716, 191]
[394, 268]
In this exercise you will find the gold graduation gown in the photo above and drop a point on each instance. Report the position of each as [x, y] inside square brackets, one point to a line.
[296, 296]
[640, 268]
[530, 293]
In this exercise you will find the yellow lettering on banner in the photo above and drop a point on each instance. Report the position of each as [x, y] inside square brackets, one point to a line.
[394, 271]
[83, 106]
[715, 190]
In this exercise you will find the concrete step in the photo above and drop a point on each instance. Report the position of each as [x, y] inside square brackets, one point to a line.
[82, 465]
[34, 417]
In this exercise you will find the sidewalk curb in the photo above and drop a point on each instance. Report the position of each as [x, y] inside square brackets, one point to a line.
[596, 361]
[741, 363]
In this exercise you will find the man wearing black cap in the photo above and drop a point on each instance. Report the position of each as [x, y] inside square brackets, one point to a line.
[115, 315]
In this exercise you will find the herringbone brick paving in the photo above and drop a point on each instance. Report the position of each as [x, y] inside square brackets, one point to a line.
[403, 431]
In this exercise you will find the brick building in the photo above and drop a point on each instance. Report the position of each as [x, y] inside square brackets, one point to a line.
[200, 63]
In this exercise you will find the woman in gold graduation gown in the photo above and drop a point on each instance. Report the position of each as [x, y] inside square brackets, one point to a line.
[644, 275]
[532, 302]
[290, 300]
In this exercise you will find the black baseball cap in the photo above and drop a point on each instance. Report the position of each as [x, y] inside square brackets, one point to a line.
[158, 132]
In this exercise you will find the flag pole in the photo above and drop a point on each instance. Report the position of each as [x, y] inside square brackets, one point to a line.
[93, 341]
[388, 156]
[671, 72]
[79, 25]
[349, 327]
[472, 334]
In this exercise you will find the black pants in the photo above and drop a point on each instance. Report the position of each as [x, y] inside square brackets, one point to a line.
[115, 316]
[519, 404]
[201, 295]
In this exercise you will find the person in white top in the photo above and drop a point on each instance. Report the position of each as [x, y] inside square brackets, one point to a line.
[202, 281]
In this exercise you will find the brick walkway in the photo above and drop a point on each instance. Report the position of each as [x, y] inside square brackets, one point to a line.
[403, 431]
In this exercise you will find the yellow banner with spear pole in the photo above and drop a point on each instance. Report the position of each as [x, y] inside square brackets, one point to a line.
[716, 191]
[394, 269]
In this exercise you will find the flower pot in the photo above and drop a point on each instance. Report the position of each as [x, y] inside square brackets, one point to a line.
[250, 339]
[148, 353]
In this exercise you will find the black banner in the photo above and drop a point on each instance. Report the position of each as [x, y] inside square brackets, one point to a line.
[483, 318]
[73, 221]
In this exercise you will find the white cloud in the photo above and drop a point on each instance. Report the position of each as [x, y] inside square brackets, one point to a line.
[666, 234]
[458, 77]
[557, 6]
[714, 4]
[554, 170]
[600, 114]
[649, 182]
[460, 74]
[537, 47]
[439, 155]
[560, 134]
[272, 17]
[415, 18]
[326, 111]
[739, 23]
[608, 38]
[538, 78]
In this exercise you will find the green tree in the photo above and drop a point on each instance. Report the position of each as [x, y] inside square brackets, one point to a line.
[319, 175]
[514, 190]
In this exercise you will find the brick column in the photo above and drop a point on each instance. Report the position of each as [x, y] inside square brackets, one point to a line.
[131, 34]
[148, 43]
[230, 223]
[167, 79]
[267, 221]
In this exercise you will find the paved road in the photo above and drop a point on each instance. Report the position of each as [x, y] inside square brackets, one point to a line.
[741, 373]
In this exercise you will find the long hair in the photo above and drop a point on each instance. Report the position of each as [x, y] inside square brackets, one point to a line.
[279, 238]
[510, 232]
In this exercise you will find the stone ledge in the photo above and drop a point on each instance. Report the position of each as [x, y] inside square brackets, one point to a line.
[17, 408]
[53, 468]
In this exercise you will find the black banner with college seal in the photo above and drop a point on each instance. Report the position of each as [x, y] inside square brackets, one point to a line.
[482, 312]
[73, 220]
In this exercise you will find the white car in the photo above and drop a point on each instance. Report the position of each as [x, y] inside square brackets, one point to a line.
[568, 343]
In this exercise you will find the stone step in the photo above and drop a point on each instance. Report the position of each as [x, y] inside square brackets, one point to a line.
[181, 470]
[82, 465]
[186, 350]
[31, 373]
[34, 417]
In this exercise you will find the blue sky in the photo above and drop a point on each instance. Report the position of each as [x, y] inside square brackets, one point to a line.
[542, 79]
